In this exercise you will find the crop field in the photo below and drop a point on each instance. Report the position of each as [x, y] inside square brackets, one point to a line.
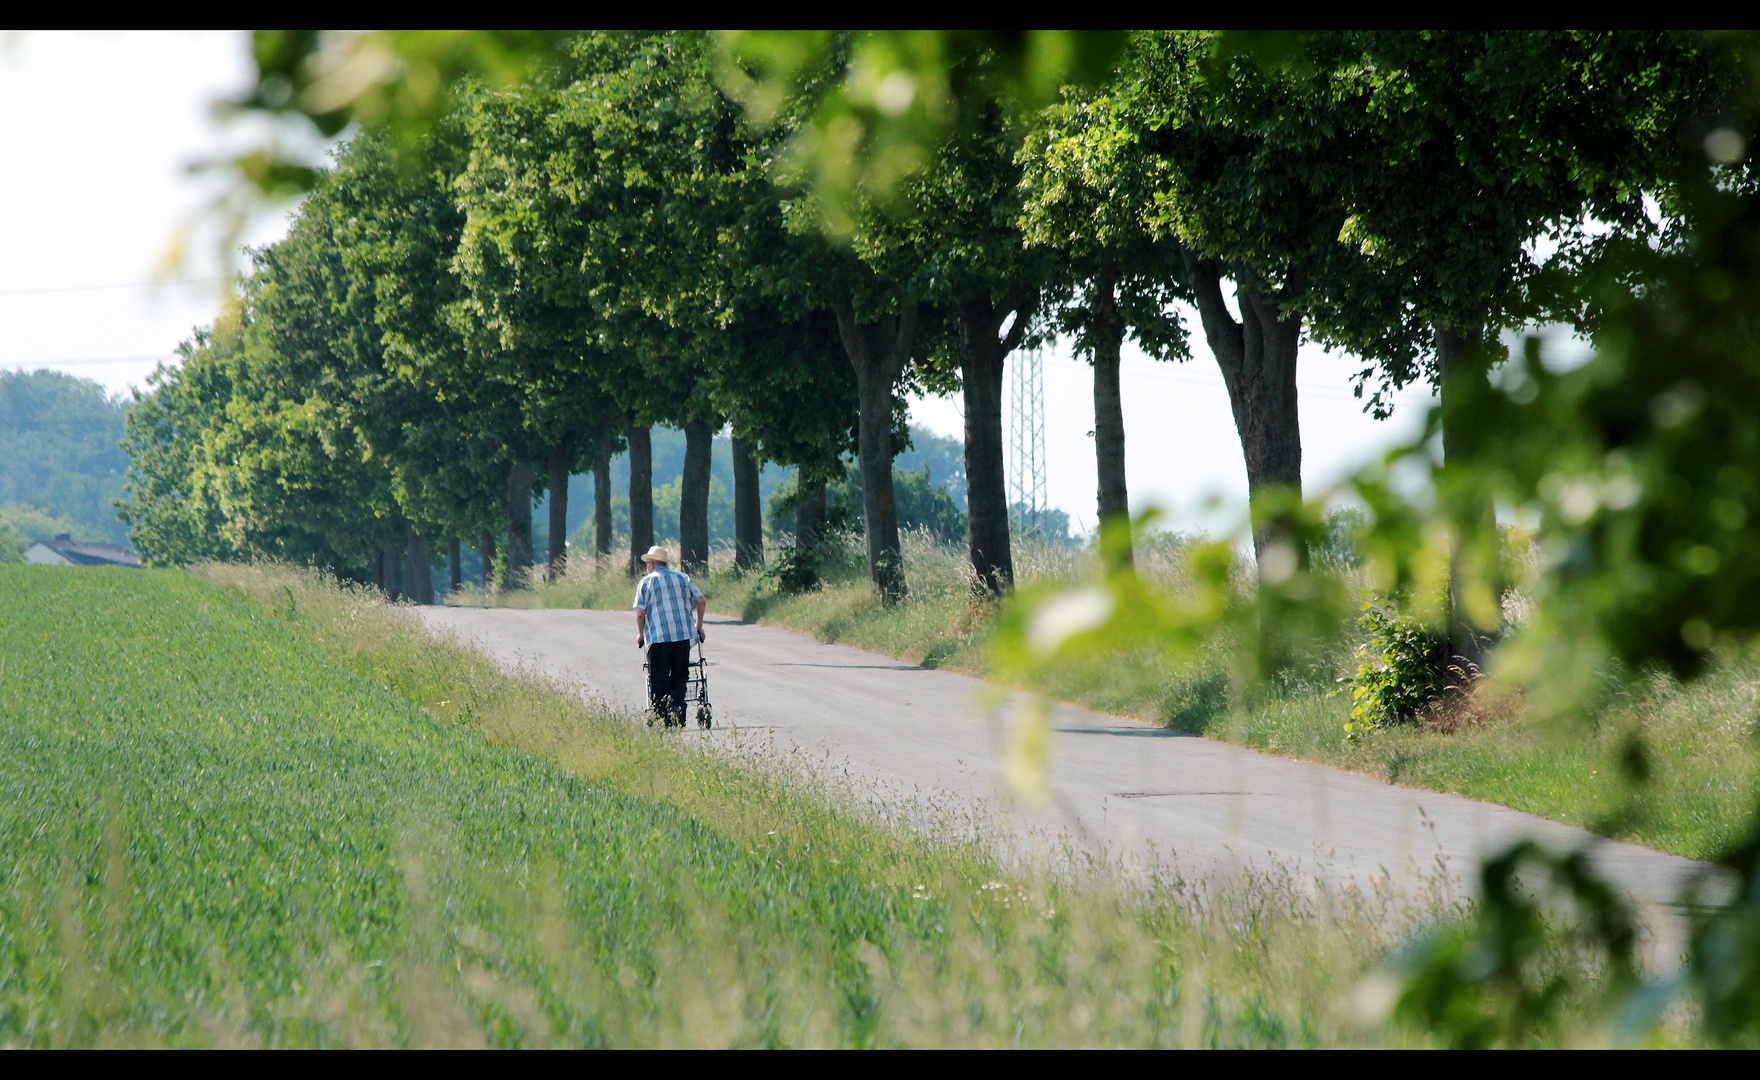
[1701, 743]
[248, 807]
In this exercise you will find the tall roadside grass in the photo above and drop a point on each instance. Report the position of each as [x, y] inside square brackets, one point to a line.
[252, 807]
[1700, 743]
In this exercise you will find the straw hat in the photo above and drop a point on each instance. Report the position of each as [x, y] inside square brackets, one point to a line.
[657, 554]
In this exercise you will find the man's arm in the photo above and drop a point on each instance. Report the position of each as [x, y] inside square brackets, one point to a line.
[702, 606]
[641, 627]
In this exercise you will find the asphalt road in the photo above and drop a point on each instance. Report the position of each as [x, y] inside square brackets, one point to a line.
[1136, 790]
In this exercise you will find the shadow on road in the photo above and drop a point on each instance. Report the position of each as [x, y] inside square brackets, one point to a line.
[1144, 732]
[853, 667]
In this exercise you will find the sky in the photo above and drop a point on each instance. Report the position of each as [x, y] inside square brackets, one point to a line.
[1181, 451]
[101, 130]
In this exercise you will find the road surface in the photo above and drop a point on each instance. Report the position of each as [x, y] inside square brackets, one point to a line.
[1137, 791]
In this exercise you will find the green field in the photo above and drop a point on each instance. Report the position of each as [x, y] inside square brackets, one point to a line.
[250, 808]
[1701, 742]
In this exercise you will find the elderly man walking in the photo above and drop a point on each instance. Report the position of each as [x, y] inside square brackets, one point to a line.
[665, 603]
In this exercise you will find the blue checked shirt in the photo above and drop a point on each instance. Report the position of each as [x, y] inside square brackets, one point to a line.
[669, 598]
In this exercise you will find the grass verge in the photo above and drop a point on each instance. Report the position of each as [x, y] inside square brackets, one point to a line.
[252, 808]
[1699, 743]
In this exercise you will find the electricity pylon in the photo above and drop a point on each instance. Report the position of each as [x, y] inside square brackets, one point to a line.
[1026, 463]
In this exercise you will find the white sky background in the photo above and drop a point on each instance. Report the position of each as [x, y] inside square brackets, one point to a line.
[1181, 450]
[96, 136]
[98, 132]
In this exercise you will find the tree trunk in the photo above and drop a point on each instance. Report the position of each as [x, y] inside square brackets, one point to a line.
[1462, 376]
[693, 497]
[641, 493]
[878, 351]
[809, 514]
[519, 525]
[419, 571]
[425, 569]
[982, 353]
[454, 565]
[1257, 356]
[1113, 502]
[392, 562]
[487, 546]
[748, 509]
[602, 538]
[559, 466]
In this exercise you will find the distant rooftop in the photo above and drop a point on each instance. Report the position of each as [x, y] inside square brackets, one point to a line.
[64, 550]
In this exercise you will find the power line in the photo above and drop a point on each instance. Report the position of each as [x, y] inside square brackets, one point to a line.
[1166, 372]
[102, 288]
[84, 361]
[1318, 389]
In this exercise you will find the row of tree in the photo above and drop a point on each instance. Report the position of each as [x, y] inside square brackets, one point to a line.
[524, 290]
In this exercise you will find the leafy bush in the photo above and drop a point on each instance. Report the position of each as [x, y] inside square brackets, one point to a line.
[795, 570]
[1402, 668]
[1337, 546]
[834, 558]
[922, 504]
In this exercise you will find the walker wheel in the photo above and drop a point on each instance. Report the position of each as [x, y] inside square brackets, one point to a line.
[705, 719]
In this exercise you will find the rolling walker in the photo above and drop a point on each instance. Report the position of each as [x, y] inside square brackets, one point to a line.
[696, 691]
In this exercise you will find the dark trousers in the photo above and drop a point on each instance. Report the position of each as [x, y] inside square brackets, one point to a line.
[669, 672]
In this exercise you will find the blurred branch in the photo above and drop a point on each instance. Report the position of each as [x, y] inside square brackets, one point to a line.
[313, 85]
[866, 109]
